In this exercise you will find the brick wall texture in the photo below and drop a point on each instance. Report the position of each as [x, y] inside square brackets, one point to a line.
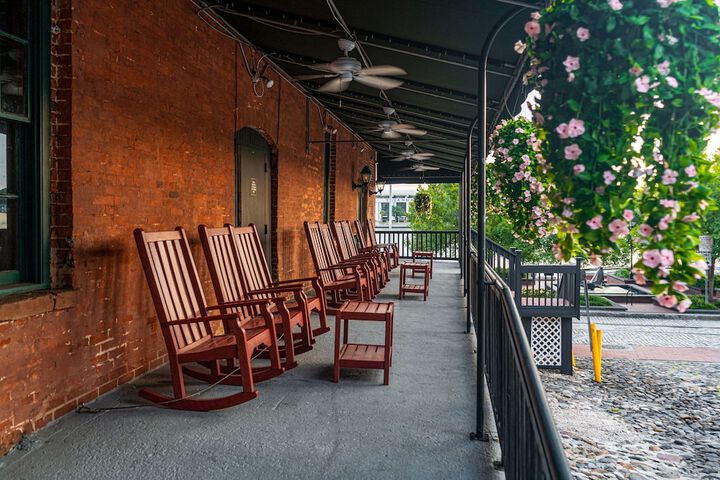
[145, 102]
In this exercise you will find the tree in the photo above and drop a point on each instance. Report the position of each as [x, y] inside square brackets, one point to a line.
[711, 224]
[444, 215]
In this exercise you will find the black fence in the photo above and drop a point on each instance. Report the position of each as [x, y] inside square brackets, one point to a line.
[443, 243]
[531, 446]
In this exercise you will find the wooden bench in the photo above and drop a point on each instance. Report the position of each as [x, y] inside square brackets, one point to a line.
[361, 355]
[413, 267]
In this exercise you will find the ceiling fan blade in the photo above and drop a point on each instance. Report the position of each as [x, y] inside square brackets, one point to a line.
[425, 168]
[421, 155]
[382, 70]
[335, 85]
[378, 82]
[390, 134]
[314, 77]
[411, 131]
[322, 67]
[407, 168]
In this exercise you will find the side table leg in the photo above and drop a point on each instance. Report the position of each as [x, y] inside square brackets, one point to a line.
[336, 366]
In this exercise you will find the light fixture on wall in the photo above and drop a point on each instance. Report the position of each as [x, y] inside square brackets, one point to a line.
[365, 178]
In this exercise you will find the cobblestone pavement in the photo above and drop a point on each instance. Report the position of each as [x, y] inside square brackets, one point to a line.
[660, 332]
[647, 419]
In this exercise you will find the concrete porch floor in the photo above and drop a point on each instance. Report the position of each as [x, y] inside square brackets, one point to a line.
[302, 425]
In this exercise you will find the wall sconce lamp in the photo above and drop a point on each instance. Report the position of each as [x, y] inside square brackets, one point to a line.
[365, 177]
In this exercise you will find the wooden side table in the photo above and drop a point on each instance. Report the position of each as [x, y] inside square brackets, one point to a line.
[420, 255]
[359, 355]
[423, 288]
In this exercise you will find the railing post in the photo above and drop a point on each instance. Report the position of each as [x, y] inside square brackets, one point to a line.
[517, 277]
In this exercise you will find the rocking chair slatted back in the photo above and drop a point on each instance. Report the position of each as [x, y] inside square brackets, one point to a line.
[344, 246]
[224, 269]
[317, 251]
[252, 258]
[349, 237]
[328, 243]
[361, 236]
[174, 285]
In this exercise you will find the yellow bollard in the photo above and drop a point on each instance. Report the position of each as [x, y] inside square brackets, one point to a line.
[597, 354]
[573, 358]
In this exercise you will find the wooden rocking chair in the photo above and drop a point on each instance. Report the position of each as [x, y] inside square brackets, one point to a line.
[393, 249]
[227, 261]
[257, 275]
[185, 323]
[340, 282]
[335, 258]
[349, 250]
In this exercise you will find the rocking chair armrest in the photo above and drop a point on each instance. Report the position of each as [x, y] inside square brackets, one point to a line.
[292, 288]
[337, 267]
[206, 318]
[293, 280]
[242, 303]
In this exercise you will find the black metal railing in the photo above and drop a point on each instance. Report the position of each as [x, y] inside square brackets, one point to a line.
[531, 446]
[506, 263]
[443, 243]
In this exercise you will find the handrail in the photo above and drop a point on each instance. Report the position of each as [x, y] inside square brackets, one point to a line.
[551, 443]
[531, 446]
[445, 244]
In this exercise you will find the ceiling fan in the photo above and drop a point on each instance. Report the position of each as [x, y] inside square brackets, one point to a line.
[394, 129]
[420, 167]
[410, 154]
[345, 69]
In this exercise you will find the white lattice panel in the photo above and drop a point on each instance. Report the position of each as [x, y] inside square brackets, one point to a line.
[546, 340]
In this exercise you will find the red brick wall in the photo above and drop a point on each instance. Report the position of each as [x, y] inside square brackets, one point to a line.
[144, 116]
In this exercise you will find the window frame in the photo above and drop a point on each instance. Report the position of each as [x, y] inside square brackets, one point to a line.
[33, 176]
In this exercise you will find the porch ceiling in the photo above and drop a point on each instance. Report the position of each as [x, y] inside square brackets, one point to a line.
[437, 42]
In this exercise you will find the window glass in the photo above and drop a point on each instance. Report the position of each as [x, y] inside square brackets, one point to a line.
[13, 17]
[8, 197]
[13, 84]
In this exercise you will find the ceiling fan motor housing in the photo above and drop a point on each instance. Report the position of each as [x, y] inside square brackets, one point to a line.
[346, 45]
[346, 64]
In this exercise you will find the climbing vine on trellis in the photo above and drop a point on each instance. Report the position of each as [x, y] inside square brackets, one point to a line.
[629, 95]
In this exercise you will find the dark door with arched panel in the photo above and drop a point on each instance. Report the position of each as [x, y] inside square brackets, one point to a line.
[252, 193]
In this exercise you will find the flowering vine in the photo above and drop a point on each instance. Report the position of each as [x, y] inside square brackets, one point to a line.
[515, 186]
[629, 95]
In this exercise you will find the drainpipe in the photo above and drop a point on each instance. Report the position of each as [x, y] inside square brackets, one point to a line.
[479, 433]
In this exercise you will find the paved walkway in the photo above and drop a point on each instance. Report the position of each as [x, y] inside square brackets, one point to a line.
[687, 338]
[302, 425]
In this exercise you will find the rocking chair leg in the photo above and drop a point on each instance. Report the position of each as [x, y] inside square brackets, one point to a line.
[246, 368]
[178, 380]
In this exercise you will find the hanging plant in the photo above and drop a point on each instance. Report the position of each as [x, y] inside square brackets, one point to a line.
[628, 99]
[515, 187]
[423, 203]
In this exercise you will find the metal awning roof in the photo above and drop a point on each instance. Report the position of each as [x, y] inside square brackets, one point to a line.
[438, 43]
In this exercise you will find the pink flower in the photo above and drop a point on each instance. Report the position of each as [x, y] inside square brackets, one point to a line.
[669, 177]
[582, 34]
[595, 222]
[664, 68]
[608, 177]
[691, 171]
[667, 257]
[578, 169]
[619, 227]
[679, 286]
[693, 217]
[665, 3]
[642, 84]
[667, 301]
[672, 204]
[651, 258]
[571, 63]
[672, 81]
[710, 96]
[515, 141]
[628, 215]
[636, 71]
[571, 77]
[684, 305]
[645, 230]
[572, 152]
[699, 264]
[575, 128]
[664, 222]
[562, 130]
[520, 46]
[615, 4]
[532, 28]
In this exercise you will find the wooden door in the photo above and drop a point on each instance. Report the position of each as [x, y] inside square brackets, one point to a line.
[253, 195]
